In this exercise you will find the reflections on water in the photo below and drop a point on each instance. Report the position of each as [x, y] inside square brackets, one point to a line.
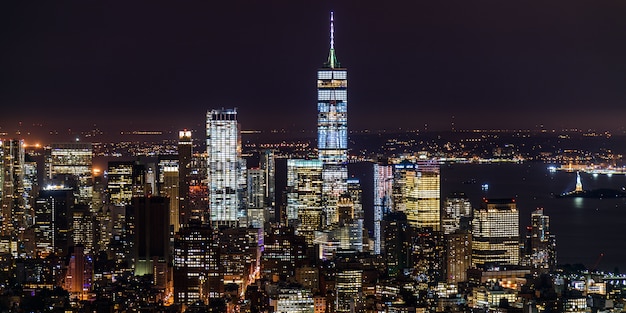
[584, 227]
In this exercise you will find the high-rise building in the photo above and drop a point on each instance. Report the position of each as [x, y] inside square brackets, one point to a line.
[404, 195]
[416, 192]
[349, 289]
[332, 129]
[72, 160]
[79, 273]
[185, 153]
[458, 256]
[457, 213]
[196, 265]
[169, 186]
[495, 231]
[11, 176]
[398, 246]
[226, 203]
[198, 190]
[304, 194]
[383, 182]
[82, 221]
[18, 187]
[151, 232]
[239, 255]
[125, 180]
[540, 244]
[268, 166]
[255, 194]
[428, 196]
[291, 300]
[284, 252]
[53, 232]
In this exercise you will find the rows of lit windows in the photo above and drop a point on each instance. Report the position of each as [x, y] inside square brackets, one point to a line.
[325, 74]
[332, 95]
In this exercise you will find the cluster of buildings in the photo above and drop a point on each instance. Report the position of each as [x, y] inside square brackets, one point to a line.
[204, 231]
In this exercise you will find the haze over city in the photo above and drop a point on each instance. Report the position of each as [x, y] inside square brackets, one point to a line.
[413, 65]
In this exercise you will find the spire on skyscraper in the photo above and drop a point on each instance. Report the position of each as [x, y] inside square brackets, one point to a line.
[332, 58]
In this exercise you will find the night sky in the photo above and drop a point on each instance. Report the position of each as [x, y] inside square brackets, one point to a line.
[161, 65]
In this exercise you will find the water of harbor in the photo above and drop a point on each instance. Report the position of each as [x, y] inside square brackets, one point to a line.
[584, 228]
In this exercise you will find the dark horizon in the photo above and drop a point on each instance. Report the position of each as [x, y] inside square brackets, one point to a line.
[157, 66]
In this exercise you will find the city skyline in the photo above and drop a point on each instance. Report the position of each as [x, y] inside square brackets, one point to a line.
[426, 221]
[418, 66]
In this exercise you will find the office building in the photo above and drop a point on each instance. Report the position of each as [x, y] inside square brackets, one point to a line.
[225, 174]
[268, 166]
[495, 231]
[292, 300]
[185, 153]
[428, 196]
[18, 179]
[255, 194]
[304, 196]
[457, 213]
[458, 256]
[71, 161]
[284, 252]
[196, 265]
[169, 186]
[540, 245]
[383, 182]
[198, 190]
[125, 180]
[398, 246]
[53, 232]
[83, 221]
[151, 232]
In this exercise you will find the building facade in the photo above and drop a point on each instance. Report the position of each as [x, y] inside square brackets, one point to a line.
[332, 129]
[496, 234]
[224, 168]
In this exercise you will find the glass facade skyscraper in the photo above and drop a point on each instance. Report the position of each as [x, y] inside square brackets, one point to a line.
[332, 129]
[383, 184]
[224, 168]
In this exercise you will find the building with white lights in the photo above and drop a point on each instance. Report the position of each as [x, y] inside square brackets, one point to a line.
[332, 129]
[226, 180]
[496, 233]
[72, 159]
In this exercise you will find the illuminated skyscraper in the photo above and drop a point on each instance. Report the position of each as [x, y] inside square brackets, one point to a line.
[458, 256]
[268, 166]
[185, 152]
[416, 192]
[169, 186]
[11, 177]
[428, 196]
[72, 160]
[304, 207]
[540, 245]
[457, 212]
[496, 233]
[125, 180]
[332, 129]
[196, 264]
[255, 194]
[383, 182]
[224, 163]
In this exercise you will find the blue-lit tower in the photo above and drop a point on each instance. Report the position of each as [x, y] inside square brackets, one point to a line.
[332, 129]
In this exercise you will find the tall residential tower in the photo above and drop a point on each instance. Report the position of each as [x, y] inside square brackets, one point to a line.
[332, 129]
